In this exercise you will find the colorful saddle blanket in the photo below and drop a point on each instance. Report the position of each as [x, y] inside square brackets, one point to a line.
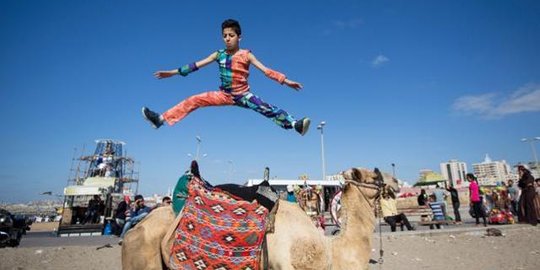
[218, 231]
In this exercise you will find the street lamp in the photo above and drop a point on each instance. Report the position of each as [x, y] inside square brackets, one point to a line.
[531, 142]
[191, 156]
[321, 128]
[393, 170]
[197, 154]
[198, 146]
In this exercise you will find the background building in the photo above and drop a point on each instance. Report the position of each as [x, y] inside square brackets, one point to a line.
[430, 178]
[492, 172]
[454, 171]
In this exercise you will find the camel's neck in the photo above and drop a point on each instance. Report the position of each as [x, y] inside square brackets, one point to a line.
[358, 210]
[357, 225]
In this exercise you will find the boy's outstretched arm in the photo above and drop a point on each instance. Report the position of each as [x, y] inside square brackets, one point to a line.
[272, 74]
[186, 69]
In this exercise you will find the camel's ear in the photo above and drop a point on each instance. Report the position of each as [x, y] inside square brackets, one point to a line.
[379, 179]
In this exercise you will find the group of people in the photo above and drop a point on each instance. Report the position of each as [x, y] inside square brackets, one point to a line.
[95, 209]
[437, 202]
[105, 166]
[522, 201]
[128, 213]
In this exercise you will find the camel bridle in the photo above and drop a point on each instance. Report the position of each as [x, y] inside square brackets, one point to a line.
[374, 186]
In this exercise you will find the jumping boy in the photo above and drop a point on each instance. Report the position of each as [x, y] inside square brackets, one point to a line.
[234, 90]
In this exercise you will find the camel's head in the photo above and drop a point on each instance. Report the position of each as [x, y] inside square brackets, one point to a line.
[371, 181]
[362, 174]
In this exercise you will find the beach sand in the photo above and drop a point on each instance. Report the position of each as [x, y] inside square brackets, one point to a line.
[518, 249]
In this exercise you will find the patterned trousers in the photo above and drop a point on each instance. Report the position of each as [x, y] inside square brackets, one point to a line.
[219, 98]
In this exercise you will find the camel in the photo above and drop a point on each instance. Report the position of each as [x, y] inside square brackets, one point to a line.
[141, 245]
[295, 243]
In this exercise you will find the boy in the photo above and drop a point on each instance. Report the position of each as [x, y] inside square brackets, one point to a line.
[234, 90]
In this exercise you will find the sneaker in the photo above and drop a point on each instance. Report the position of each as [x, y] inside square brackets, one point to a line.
[301, 126]
[152, 117]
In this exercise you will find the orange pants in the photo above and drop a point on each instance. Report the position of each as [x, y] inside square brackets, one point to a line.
[182, 109]
[220, 98]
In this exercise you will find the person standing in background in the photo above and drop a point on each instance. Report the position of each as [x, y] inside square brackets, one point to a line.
[455, 202]
[513, 195]
[476, 202]
[440, 196]
[290, 194]
[528, 193]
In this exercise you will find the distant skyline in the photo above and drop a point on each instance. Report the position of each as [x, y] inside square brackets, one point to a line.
[413, 83]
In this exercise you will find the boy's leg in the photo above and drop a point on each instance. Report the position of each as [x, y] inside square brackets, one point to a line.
[279, 116]
[188, 105]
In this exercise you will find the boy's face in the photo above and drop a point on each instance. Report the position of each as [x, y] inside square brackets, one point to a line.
[230, 38]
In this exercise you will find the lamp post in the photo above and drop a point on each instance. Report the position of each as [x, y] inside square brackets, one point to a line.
[191, 156]
[198, 146]
[531, 142]
[197, 154]
[393, 170]
[321, 128]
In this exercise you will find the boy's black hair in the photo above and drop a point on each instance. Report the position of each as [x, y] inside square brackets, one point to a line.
[234, 24]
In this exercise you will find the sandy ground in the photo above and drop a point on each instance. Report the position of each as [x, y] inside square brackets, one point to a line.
[44, 227]
[440, 249]
[519, 248]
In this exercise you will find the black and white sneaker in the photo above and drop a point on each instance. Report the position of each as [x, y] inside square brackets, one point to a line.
[152, 117]
[301, 126]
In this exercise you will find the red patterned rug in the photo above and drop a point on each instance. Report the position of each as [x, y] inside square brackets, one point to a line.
[218, 231]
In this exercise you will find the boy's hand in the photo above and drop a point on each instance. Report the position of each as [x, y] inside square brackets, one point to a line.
[292, 84]
[162, 74]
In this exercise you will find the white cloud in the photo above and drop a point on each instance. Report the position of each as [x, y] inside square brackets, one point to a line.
[340, 25]
[492, 105]
[379, 61]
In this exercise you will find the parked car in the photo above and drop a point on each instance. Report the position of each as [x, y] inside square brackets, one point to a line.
[12, 228]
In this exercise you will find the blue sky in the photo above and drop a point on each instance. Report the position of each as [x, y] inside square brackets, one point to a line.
[413, 83]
